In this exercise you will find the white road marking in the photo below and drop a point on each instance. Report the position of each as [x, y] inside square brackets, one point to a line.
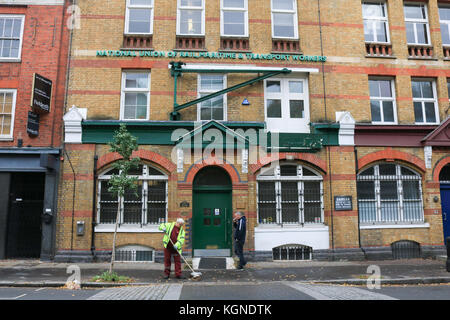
[14, 298]
[328, 292]
[40, 289]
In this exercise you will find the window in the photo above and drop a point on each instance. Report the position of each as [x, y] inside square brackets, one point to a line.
[234, 19]
[444, 19]
[284, 19]
[425, 103]
[148, 207]
[376, 27]
[7, 109]
[191, 17]
[382, 101]
[416, 21]
[135, 99]
[11, 32]
[286, 105]
[389, 193]
[215, 108]
[290, 194]
[139, 17]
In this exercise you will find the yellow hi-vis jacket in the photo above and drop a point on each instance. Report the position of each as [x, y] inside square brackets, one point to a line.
[168, 232]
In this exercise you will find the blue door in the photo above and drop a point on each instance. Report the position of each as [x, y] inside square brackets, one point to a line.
[445, 201]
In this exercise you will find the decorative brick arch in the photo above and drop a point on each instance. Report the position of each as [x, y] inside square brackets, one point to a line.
[307, 157]
[165, 163]
[439, 166]
[212, 161]
[390, 154]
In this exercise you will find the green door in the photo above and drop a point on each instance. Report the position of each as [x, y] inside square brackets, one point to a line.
[212, 214]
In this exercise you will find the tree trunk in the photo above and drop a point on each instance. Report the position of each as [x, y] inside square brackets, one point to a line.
[113, 256]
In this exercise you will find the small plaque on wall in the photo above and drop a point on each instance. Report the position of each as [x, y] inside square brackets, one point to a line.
[343, 203]
[184, 204]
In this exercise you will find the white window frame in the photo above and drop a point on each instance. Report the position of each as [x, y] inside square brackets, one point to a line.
[300, 179]
[9, 137]
[125, 90]
[14, 16]
[294, 12]
[286, 123]
[424, 100]
[222, 20]
[127, 17]
[201, 91]
[375, 19]
[398, 178]
[180, 8]
[447, 22]
[392, 99]
[144, 177]
[415, 21]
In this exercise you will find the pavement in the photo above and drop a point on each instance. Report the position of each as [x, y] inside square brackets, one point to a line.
[36, 273]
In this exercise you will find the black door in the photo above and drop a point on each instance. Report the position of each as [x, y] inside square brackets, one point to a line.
[24, 217]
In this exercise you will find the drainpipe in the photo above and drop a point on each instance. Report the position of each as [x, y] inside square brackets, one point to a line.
[94, 196]
[73, 201]
[357, 206]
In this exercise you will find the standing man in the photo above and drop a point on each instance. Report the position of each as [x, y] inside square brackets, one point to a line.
[175, 232]
[240, 225]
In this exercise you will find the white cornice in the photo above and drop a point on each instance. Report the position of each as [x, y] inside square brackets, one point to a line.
[33, 2]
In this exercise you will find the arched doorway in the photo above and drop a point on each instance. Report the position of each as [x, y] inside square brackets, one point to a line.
[444, 179]
[212, 213]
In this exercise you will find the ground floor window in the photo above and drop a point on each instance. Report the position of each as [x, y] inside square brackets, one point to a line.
[389, 193]
[147, 206]
[290, 194]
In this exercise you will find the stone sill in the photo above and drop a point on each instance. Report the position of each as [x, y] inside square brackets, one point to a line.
[381, 56]
[109, 228]
[195, 50]
[417, 58]
[137, 49]
[10, 60]
[294, 228]
[231, 51]
[395, 226]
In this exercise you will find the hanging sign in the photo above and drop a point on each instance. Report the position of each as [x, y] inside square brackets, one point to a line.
[33, 124]
[41, 95]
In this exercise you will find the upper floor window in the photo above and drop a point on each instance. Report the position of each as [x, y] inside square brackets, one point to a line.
[191, 17]
[376, 27]
[215, 108]
[135, 97]
[389, 193]
[425, 102]
[148, 205]
[139, 17]
[382, 101]
[416, 21]
[284, 19]
[287, 104]
[7, 109]
[290, 194]
[234, 18]
[11, 34]
[444, 19]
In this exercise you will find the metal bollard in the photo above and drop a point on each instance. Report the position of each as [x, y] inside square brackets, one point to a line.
[448, 254]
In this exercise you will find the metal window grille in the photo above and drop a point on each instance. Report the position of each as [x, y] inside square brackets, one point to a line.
[290, 194]
[292, 252]
[389, 193]
[134, 255]
[405, 249]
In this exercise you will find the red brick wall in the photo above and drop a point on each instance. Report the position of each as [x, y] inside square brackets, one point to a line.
[44, 51]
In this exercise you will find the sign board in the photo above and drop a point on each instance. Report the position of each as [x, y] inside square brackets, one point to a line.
[184, 204]
[41, 95]
[343, 203]
[217, 212]
[33, 123]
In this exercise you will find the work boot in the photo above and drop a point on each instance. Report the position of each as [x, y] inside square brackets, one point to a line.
[180, 277]
[166, 277]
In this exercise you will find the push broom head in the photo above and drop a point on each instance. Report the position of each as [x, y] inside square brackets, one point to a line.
[196, 275]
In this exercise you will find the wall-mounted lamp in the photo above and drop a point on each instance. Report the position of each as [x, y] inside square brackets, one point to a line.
[245, 102]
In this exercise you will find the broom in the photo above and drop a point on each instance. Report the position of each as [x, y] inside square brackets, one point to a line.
[194, 275]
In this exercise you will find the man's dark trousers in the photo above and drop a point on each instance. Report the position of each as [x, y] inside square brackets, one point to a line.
[239, 250]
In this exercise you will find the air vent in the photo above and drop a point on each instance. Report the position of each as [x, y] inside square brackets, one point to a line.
[405, 249]
[292, 252]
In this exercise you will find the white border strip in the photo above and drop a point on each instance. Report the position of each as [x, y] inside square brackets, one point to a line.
[209, 66]
[395, 226]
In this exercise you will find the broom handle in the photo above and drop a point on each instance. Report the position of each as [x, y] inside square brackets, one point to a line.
[181, 255]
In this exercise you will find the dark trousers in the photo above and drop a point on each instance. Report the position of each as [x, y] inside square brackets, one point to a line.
[168, 252]
[239, 250]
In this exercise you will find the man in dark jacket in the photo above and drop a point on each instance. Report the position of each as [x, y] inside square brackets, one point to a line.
[240, 225]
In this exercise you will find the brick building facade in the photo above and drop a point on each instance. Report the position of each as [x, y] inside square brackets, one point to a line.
[33, 42]
[326, 122]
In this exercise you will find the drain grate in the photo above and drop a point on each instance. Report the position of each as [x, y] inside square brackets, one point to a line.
[212, 263]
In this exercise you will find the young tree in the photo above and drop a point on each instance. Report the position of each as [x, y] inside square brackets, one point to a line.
[124, 143]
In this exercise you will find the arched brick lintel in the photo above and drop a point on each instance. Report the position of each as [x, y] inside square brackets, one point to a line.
[165, 163]
[439, 166]
[229, 168]
[390, 154]
[307, 157]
